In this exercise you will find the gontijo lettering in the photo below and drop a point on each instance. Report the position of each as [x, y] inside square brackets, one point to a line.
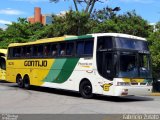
[35, 63]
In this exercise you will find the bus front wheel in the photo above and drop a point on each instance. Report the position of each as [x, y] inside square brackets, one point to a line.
[86, 89]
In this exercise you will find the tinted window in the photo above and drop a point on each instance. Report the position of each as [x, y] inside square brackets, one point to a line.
[17, 52]
[88, 48]
[47, 50]
[80, 48]
[54, 50]
[126, 43]
[105, 65]
[10, 52]
[84, 47]
[70, 48]
[104, 43]
[2, 63]
[62, 49]
[28, 51]
[38, 51]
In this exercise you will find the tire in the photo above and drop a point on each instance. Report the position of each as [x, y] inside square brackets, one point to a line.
[19, 81]
[86, 89]
[26, 82]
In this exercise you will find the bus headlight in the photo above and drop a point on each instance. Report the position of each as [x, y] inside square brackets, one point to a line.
[123, 84]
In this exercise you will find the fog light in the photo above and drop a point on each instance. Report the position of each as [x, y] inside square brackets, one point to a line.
[123, 84]
[124, 92]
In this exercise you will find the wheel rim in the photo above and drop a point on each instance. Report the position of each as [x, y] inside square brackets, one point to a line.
[87, 89]
[26, 85]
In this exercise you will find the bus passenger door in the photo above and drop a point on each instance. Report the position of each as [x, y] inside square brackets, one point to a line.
[2, 68]
[107, 65]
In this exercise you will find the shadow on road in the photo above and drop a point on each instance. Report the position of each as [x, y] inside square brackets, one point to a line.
[96, 97]
[76, 94]
[124, 98]
[3, 81]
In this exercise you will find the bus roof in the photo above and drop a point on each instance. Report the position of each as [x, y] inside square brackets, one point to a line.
[118, 35]
[3, 52]
[55, 39]
[72, 37]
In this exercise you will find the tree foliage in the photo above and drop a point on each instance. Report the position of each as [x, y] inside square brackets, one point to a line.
[72, 23]
[129, 23]
[21, 31]
[79, 23]
[154, 42]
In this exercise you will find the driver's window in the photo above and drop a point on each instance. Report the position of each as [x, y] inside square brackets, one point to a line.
[144, 62]
[108, 65]
[144, 65]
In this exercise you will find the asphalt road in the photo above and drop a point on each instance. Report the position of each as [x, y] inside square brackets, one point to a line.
[14, 100]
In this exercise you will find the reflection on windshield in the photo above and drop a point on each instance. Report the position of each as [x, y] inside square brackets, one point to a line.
[133, 66]
[126, 43]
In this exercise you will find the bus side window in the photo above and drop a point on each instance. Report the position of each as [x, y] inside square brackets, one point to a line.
[40, 51]
[88, 48]
[35, 51]
[70, 49]
[16, 52]
[23, 51]
[10, 53]
[80, 48]
[54, 50]
[62, 51]
[46, 50]
[28, 51]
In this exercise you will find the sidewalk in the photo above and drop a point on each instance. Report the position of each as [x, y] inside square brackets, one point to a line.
[155, 94]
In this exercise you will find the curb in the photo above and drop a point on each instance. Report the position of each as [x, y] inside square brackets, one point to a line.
[155, 94]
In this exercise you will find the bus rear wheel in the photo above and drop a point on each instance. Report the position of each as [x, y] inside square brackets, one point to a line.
[19, 81]
[86, 89]
[26, 82]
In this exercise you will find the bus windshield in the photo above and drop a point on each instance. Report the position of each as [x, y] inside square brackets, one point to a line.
[128, 43]
[134, 65]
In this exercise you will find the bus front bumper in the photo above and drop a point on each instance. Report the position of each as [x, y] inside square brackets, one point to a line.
[132, 90]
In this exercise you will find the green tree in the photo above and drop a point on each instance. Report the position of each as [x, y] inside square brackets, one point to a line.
[129, 23]
[154, 42]
[1, 34]
[72, 23]
[157, 26]
[21, 31]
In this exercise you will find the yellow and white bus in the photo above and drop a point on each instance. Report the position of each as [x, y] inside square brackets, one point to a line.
[111, 64]
[3, 53]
